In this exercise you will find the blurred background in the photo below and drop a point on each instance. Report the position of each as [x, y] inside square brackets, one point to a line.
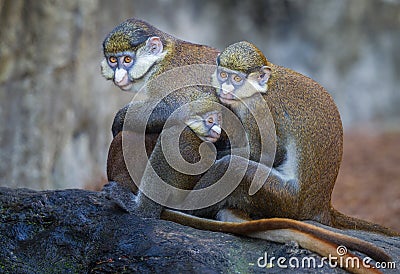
[56, 110]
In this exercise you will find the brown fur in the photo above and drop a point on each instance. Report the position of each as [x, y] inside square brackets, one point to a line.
[294, 100]
[306, 118]
[281, 230]
[116, 166]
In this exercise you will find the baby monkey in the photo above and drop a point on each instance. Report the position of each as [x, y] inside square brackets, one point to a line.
[182, 153]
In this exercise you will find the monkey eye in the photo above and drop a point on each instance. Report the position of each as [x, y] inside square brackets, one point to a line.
[223, 74]
[127, 59]
[113, 59]
[237, 78]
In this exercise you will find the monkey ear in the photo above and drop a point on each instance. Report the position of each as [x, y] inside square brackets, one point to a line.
[265, 73]
[154, 45]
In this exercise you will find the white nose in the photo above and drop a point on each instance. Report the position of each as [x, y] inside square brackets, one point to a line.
[217, 129]
[119, 75]
[227, 88]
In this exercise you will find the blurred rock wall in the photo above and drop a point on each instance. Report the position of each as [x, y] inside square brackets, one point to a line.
[56, 110]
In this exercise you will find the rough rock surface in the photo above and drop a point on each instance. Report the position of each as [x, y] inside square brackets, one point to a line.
[78, 231]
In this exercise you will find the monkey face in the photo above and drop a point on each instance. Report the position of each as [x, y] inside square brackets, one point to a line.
[121, 63]
[129, 67]
[206, 126]
[236, 86]
[229, 82]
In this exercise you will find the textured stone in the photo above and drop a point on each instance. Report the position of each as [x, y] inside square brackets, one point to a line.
[77, 231]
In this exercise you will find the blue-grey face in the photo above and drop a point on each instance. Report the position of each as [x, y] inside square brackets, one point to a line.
[230, 77]
[229, 80]
[236, 86]
[128, 68]
[121, 63]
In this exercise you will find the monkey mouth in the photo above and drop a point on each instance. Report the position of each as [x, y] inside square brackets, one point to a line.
[228, 101]
[212, 137]
[126, 87]
[228, 98]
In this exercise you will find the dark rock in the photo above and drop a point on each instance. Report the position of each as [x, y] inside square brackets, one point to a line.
[78, 231]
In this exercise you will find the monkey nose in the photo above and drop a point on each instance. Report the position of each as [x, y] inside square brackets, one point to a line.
[227, 88]
[216, 129]
[120, 75]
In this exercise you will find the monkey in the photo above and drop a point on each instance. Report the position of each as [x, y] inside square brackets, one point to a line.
[135, 53]
[141, 41]
[199, 126]
[309, 136]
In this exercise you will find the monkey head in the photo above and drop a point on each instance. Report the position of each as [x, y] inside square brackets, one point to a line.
[207, 126]
[130, 52]
[242, 71]
[204, 118]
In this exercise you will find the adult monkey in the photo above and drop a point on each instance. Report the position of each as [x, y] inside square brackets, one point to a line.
[309, 135]
[136, 52]
[156, 54]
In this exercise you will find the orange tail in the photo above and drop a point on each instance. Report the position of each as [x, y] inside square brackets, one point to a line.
[281, 230]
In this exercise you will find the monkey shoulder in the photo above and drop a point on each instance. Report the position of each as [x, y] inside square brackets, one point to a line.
[186, 53]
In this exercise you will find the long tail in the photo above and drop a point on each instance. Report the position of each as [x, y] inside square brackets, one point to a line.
[342, 221]
[311, 237]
